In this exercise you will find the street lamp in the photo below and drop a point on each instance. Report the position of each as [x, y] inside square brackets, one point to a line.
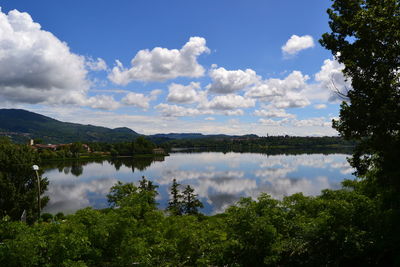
[36, 169]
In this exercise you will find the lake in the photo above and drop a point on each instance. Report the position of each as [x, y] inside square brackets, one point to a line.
[220, 179]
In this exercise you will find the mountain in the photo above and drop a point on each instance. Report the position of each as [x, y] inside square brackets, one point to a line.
[22, 125]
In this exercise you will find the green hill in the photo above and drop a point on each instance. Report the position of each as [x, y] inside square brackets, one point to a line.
[21, 125]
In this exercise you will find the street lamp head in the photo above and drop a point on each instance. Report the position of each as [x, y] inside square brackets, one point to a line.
[35, 167]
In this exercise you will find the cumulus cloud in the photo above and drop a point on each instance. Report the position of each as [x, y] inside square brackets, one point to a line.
[319, 106]
[291, 100]
[230, 81]
[296, 44]
[236, 112]
[178, 111]
[273, 113]
[331, 78]
[320, 121]
[282, 93]
[269, 122]
[179, 93]
[229, 102]
[295, 81]
[140, 100]
[137, 100]
[161, 64]
[35, 66]
[96, 64]
[105, 102]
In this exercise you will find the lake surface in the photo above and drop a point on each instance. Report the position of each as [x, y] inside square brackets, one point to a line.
[220, 179]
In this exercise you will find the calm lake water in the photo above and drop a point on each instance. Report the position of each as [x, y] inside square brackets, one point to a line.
[220, 179]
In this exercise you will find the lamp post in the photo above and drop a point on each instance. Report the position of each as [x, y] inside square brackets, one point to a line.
[36, 168]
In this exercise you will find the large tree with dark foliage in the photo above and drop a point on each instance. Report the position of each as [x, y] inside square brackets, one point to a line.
[365, 37]
[18, 181]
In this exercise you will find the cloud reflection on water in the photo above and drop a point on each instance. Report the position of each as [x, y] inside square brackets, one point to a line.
[219, 179]
[70, 197]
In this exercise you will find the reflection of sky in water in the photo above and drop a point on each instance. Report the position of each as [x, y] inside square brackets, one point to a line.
[219, 179]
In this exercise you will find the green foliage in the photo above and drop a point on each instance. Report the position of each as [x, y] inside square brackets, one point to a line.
[76, 148]
[337, 228]
[119, 192]
[175, 205]
[269, 144]
[365, 38]
[185, 202]
[18, 181]
[190, 202]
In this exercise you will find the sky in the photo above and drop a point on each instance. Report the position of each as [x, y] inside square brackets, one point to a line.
[212, 67]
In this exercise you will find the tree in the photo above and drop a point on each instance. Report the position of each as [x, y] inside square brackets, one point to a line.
[18, 181]
[119, 191]
[365, 38]
[149, 189]
[190, 201]
[175, 204]
[76, 148]
[142, 146]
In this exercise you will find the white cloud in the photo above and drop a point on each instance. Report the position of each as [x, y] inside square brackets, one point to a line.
[297, 43]
[35, 66]
[291, 100]
[229, 102]
[137, 100]
[209, 119]
[155, 93]
[319, 106]
[161, 64]
[320, 121]
[273, 113]
[179, 93]
[331, 78]
[230, 81]
[101, 102]
[286, 93]
[269, 122]
[236, 112]
[295, 81]
[140, 100]
[96, 65]
[178, 111]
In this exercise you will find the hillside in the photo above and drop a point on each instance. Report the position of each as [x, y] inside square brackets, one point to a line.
[22, 125]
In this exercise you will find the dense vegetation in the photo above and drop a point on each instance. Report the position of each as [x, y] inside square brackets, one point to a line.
[358, 225]
[337, 228]
[18, 181]
[140, 146]
[262, 143]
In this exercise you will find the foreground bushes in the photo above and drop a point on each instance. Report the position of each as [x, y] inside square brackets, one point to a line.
[336, 228]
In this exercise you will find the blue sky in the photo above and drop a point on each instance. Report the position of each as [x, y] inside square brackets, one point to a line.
[234, 67]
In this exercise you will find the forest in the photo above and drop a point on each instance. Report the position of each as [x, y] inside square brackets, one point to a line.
[357, 225]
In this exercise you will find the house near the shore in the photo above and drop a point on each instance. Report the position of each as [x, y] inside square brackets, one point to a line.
[48, 147]
[54, 147]
[158, 151]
